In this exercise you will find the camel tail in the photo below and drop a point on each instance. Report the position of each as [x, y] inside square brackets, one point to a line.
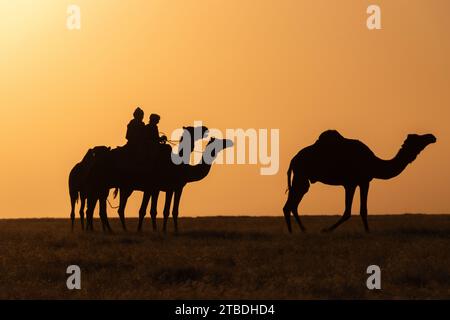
[74, 194]
[116, 192]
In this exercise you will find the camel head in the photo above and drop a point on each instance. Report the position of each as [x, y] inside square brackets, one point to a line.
[213, 147]
[196, 133]
[415, 143]
[220, 144]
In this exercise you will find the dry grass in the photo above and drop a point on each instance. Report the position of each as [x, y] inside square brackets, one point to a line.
[236, 257]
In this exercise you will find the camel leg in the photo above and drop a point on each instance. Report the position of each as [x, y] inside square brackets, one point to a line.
[349, 193]
[108, 227]
[364, 191]
[287, 209]
[300, 187]
[143, 209]
[287, 215]
[176, 205]
[169, 195]
[104, 215]
[297, 218]
[124, 195]
[91, 202]
[73, 200]
[83, 204]
[154, 208]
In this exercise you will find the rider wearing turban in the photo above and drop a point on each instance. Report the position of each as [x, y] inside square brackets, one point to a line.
[136, 129]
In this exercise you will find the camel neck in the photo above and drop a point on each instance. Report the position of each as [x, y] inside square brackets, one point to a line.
[197, 172]
[201, 170]
[387, 169]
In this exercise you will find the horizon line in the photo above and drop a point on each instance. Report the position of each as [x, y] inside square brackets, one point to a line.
[241, 216]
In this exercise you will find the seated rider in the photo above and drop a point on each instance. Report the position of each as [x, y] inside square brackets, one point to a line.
[152, 131]
[154, 143]
[136, 130]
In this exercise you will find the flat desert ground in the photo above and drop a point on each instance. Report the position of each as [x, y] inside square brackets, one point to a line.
[228, 258]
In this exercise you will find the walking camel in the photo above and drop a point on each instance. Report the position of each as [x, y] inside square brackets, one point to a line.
[335, 160]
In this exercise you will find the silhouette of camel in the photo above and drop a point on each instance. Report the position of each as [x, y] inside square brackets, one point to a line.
[335, 160]
[162, 175]
[171, 179]
[77, 183]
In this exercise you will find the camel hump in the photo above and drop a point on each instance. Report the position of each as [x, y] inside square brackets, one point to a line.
[330, 136]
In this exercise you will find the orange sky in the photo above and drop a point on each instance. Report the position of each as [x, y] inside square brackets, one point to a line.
[300, 66]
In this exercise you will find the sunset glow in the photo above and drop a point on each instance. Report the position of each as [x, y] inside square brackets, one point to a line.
[298, 66]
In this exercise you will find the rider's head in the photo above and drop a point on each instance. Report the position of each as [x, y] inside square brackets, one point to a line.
[138, 114]
[154, 118]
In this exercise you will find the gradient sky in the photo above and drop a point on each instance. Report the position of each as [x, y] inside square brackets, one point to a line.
[301, 66]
